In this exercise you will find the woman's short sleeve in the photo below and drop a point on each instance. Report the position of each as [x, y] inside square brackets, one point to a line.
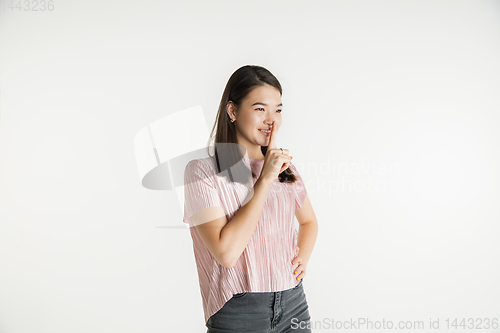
[200, 190]
[299, 187]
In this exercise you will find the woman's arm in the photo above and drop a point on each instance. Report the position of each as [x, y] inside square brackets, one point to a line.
[227, 241]
[236, 235]
[308, 230]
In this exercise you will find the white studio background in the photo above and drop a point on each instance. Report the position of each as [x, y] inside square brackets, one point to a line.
[391, 111]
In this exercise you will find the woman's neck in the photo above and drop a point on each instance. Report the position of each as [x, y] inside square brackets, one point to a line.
[255, 156]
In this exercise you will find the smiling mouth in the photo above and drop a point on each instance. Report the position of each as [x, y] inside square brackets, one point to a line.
[266, 133]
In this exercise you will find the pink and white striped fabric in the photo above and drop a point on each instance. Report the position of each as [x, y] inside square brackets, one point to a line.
[265, 264]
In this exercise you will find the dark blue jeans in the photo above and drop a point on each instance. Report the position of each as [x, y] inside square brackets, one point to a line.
[263, 312]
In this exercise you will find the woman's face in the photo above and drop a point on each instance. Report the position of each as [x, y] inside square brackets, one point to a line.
[257, 112]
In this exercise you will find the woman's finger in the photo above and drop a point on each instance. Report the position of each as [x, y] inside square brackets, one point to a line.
[298, 269]
[272, 139]
[285, 166]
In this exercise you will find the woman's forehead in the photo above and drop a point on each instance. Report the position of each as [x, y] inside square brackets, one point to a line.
[267, 96]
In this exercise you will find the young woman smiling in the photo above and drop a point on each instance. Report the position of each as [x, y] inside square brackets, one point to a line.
[240, 205]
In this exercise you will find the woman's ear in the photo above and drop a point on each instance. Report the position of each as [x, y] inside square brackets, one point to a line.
[231, 110]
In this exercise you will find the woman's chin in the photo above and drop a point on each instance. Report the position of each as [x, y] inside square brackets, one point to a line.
[264, 138]
[264, 143]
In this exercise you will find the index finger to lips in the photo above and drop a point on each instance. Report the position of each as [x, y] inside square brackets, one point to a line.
[272, 139]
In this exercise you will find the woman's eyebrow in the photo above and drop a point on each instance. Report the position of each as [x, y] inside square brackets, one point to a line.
[281, 104]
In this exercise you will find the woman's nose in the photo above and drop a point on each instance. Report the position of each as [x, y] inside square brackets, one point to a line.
[270, 119]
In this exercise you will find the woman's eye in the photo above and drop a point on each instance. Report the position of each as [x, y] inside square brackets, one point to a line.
[279, 110]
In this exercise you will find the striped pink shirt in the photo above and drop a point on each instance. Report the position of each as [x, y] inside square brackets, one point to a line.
[265, 264]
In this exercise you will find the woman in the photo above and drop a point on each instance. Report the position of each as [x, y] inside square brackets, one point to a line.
[240, 204]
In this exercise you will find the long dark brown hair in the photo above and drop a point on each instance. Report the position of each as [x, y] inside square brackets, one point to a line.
[227, 152]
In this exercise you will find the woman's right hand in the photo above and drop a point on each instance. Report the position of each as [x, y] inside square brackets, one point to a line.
[275, 160]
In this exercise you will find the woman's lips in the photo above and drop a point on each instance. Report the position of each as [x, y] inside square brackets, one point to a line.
[266, 134]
